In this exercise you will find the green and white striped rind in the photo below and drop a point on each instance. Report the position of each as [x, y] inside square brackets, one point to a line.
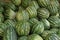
[52, 37]
[10, 5]
[44, 3]
[38, 28]
[56, 2]
[53, 7]
[10, 23]
[22, 15]
[54, 30]
[33, 21]
[46, 23]
[16, 2]
[43, 13]
[54, 21]
[23, 28]
[34, 4]
[10, 34]
[2, 28]
[35, 37]
[10, 14]
[31, 11]
[46, 32]
[25, 3]
[23, 38]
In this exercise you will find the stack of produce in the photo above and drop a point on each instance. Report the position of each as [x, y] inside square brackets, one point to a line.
[30, 20]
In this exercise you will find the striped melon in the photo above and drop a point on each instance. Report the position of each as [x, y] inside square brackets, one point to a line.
[38, 28]
[54, 21]
[23, 28]
[23, 38]
[31, 11]
[52, 37]
[35, 37]
[43, 13]
[22, 15]
[10, 34]
[46, 23]
[10, 14]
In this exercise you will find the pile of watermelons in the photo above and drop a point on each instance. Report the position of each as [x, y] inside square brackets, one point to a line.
[29, 20]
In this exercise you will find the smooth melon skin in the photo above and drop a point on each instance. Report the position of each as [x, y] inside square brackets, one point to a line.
[35, 37]
[23, 28]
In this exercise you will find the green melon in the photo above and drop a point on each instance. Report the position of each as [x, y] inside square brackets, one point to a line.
[53, 7]
[10, 5]
[34, 4]
[54, 21]
[35, 37]
[10, 14]
[10, 34]
[46, 32]
[10, 23]
[25, 3]
[1, 9]
[43, 13]
[44, 3]
[58, 33]
[2, 28]
[54, 30]
[16, 2]
[46, 23]
[22, 15]
[33, 21]
[23, 28]
[1, 17]
[38, 28]
[52, 37]
[31, 11]
[23, 38]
